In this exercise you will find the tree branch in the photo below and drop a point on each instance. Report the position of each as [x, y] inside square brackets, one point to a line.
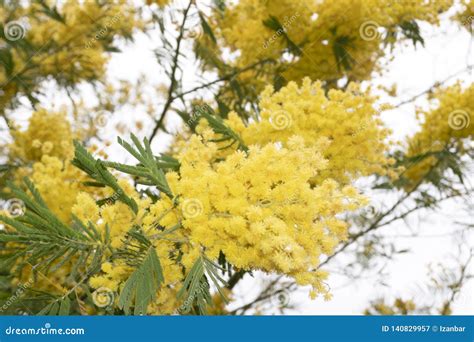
[224, 78]
[436, 84]
[375, 225]
[174, 68]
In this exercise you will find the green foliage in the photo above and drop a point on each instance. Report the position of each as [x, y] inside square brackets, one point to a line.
[4, 168]
[44, 241]
[196, 289]
[341, 52]
[274, 24]
[58, 307]
[446, 159]
[206, 28]
[141, 287]
[411, 30]
[150, 168]
[6, 59]
[207, 56]
[219, 4]
[219, 127]
[51, 12]
[97, 170]
[46, 244]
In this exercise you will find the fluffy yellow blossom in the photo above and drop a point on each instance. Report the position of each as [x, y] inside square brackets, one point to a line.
[348, 122]
[71, 47]
[276, 208]
[466, 16]
[260, 209]
[243, 29]
[335, 38]
[218, 307]
[86, 208]
[161, 3]
[448, 125]
[48, 133]
[59, 184]
[399, 307]
[112, 275]
[166, 302]
[87, 26]
[118, 219]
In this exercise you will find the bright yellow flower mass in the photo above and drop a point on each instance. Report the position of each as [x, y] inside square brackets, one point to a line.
[276, 207]
[447, 126]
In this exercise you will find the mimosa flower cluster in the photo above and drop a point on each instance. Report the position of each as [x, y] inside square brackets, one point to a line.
[349, 121]
[448, 125]
[326, 42]
[64, 42]
[278, 207]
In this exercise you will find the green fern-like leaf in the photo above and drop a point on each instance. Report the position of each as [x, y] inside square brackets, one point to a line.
[97, 170]
[274, 24]
[43, 241]
[141, 287]
[218, 126]
[196, 290]
[150, 168]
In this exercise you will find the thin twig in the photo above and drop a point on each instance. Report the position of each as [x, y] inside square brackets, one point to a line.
[223, 78]
[436, 84]
[375, 225]
[174, 68]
